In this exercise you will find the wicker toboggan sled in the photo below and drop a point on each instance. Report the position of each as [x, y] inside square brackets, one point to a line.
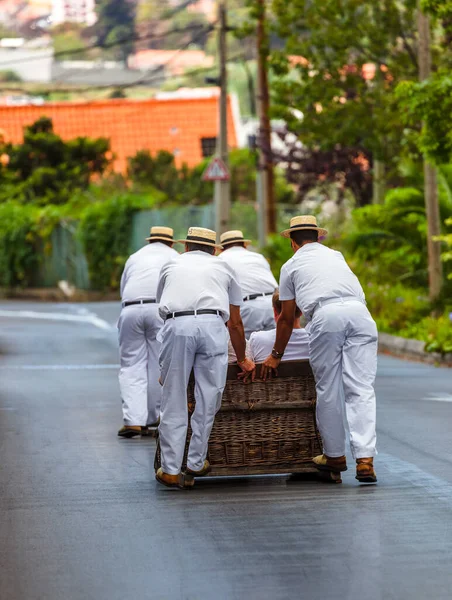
[263, 428]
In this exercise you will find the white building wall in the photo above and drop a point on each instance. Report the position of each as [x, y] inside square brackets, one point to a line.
[74, 11]
[29, 64]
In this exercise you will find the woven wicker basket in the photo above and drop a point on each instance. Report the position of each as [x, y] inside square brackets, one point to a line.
[263, 427]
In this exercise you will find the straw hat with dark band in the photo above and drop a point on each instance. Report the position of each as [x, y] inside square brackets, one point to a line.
[303, 222]
[161, 233]
[232, 237]
[199, 235]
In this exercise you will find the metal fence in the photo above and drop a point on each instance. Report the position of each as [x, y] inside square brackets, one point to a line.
[65, 259]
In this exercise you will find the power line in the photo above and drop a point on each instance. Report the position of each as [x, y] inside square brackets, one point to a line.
[147, 77]
[86, 88]
[105, 46]
[144, 78]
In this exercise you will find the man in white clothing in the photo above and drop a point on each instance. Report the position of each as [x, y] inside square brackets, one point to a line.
[261, 343]
[255, 279]
[198, 293]
[343, 345]
[138, 326]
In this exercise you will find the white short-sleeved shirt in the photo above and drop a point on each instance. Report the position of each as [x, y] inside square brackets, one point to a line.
[141, 273]
[315, 273]
[232, 358]
[261, 345]
[252, 269]
[197, 280]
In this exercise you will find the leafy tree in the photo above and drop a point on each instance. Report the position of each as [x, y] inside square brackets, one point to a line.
[151, 10]
[116, 25]
[185, 185]
[105, 230]
[430, 101]
[341, 167]
[351, 54]
[181, 186]
[9, 76]
[68, 38]
[46, 169]
[388, 240]
[117, 93]
[447, 239]
[19, 257]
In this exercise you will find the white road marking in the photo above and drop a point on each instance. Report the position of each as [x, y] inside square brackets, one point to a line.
[438, 488]
[89, 318]
[441, 397]
[57, 367]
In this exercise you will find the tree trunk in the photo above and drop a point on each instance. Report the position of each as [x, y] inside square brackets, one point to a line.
[378, 182]
[435, 269]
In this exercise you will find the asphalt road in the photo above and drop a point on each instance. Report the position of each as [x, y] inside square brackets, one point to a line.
[81, 516]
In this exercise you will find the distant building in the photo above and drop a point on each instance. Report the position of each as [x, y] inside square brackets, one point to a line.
[74, 11]
[206, 7]
[14, 13]
[21, 100]
[31, 61]
[173, 62]
[186, 127]
[19, 12]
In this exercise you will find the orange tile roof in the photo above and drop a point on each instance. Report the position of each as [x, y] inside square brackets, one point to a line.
[176, 125]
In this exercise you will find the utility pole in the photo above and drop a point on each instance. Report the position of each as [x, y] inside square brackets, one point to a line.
[265, 175]
[222, 188]
[435, 270]
[378, 192]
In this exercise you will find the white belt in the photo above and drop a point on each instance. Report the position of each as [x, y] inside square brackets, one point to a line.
[338, 300]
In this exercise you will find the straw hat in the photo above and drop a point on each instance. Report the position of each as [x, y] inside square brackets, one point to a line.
[199, 235]
[161, 233]
[231, 237]
[303, 222]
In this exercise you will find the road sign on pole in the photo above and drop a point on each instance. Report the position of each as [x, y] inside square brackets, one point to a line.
[216, 171]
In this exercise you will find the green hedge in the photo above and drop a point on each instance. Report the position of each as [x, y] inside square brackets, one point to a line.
[104, 227]
[19, 257]
[105, 230]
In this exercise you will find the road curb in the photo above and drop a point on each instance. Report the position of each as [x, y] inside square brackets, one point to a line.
[411, 349]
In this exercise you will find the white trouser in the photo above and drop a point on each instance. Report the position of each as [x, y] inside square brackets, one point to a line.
[257, 315]
[199, 343]
[343, 355]
[139, 373]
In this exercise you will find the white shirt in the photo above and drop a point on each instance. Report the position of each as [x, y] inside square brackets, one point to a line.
[232, 358]
[315, 273]
[253, 271]
[197, 280]
[261, 345]
[141, 272]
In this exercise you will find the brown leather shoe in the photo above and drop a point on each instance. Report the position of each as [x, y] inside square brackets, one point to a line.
[130, 431]
[171, 481]
[328, 463]
[365, 472]
[206, 468]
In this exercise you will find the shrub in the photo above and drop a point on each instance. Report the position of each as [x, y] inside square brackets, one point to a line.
[447, 239]
[18, 244]
[105, 230]
[9, 76]
[387, 242]
[184, 185]
[395, 307]
[436, 332]
[278, 251]
[46, 169]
